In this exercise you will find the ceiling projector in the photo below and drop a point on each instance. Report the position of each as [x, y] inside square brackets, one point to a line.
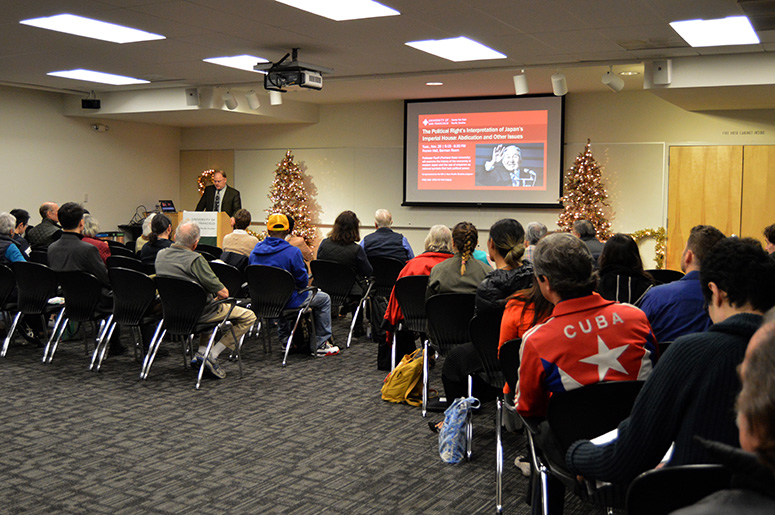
[292, 73]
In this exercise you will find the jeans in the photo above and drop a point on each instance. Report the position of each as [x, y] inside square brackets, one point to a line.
[321, 316]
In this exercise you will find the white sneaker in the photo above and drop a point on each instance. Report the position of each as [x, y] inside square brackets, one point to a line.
[328, 350]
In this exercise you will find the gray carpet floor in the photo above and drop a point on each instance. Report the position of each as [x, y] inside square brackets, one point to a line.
[314, 437]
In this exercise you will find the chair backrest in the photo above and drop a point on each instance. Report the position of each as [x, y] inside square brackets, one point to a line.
[121, 250]
[125, 262]
[112, 244]
[133, 294]
[230, 276]
[270, 289]
[333, 278]
[448, 317]
[82, 292]
[484, 331]
[663, 276]
[39, 256]
[7, 284]
[665, 490]
[590, 411]
[410, 294]
[36, 284]
[386, 272]
[234, 259]
[210, 249]
[207, 255]
[182, 303]
[508, 356]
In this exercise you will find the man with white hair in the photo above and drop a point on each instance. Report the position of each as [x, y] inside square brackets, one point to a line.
[533, 234]
[183, 262]
[9, 249]
[385, 242]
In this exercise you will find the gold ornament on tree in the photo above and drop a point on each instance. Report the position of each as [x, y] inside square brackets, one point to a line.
[585, 196]
[659, 246]
[205, 179]
[289, 196]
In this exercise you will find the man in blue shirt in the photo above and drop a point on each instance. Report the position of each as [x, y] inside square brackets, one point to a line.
[385, 242]
[275, 251]
[678, 308]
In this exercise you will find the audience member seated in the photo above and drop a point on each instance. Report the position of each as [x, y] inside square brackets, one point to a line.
[438, 248]
[340, 246]
[692, 391]
[180, 260]
[506, 249]
[22, 222]
[91, 227]
[275, 251]
[48, 230]
[587, 339]
[69, 253]
[752, 489]
[535, 231]
[586, 231]
[769, 236]
[622, 277]
[239, 241]
[10, 252]
[461, 273]
[143, 239]
[158, 239]
[678, 308]
[385, 242]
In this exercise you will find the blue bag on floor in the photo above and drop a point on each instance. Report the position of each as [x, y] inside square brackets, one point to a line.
[452, 437]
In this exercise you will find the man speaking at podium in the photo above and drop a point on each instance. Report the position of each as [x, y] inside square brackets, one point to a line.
[219, 197]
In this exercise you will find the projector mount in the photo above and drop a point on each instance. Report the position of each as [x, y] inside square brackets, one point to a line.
[292, 73]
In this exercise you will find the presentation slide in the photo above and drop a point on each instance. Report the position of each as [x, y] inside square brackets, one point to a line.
[484, 151]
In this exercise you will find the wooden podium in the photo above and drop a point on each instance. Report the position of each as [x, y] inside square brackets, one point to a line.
[214, 226]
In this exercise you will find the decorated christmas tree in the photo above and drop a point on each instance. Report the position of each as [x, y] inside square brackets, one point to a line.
[289, 196]
[585, 196]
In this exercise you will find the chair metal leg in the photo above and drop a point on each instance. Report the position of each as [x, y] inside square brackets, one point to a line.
[158, 337]
[105, 341]
[498, 456]
[352, 324]
[469, 435]
[98, 345]
[10, 334]
[210, 344]
[62, 328]
[393, 351]
[424, 376]
[540, 470]
[290, 338]
[53, 336]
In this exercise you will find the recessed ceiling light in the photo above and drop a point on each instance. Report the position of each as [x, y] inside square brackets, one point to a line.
[434, 83]
[629, 73]
[88, 28]
[732, 30]
[457, 49]
[342, 10]
[102, 78]
[241, 62]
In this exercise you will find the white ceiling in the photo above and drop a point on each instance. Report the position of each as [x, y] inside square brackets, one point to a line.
[369, 57]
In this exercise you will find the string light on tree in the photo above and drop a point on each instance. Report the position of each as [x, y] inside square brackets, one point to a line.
[205, 179]
[585, 195]
[289, 196]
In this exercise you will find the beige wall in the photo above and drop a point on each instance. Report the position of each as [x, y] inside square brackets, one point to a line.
[47, 156]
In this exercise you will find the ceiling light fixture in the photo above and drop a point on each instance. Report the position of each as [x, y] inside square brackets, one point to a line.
[559, 84]
[520, 84]
[732, 30]
[230, 101]
[253, 100]
[457, 49]
[343, 10]
[629, 73]
[434, 83]
[102, 78]
[240, 62]
[89, 28]
[613, 81]
[275, 97]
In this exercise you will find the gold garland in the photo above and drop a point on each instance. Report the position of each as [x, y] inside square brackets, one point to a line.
[659, 248]
[205, 178]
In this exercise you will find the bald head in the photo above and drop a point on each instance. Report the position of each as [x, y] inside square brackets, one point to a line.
[187, 234]
[383, 218]
[49, 210]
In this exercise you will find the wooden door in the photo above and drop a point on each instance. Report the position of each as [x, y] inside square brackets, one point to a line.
[758, 209]
[705, 187]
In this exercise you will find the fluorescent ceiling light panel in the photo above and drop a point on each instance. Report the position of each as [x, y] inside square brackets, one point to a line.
[88, 28]
[457, 49]
[102, 78]
[733, 30]
[342, 10]
[240, 62]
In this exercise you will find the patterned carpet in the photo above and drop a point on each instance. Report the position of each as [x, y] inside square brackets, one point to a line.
[314, 437]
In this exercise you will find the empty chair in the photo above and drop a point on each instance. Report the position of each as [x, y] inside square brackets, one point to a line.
[36, 284]
[126, 262]
[410, 295]
[231, 278]
[662, 491]
[120, 250]
[210, 249]
[338, 281]
[208, 256]
[385, 274]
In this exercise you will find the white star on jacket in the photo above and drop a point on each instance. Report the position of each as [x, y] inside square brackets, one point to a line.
[606, 359]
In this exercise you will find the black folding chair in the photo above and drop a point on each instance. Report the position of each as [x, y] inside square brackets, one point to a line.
[36, 284]
[82, 292]
[385, 274]
[133, 295]
[208, 256]
[270, 290]
[410, 295]
[7, 285]
[210, 249]
[231, 277]
[183, 303]
[125, 262]
[120, 250]
[665, 490]
[664, 276]
[338, 280]
[39, 256]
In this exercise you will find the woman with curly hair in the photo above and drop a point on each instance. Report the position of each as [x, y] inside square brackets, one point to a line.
[461, 273]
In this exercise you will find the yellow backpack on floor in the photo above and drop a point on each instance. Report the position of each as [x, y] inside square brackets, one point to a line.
[404, 383]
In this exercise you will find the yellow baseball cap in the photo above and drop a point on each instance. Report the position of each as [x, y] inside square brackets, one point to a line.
[277, 222]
